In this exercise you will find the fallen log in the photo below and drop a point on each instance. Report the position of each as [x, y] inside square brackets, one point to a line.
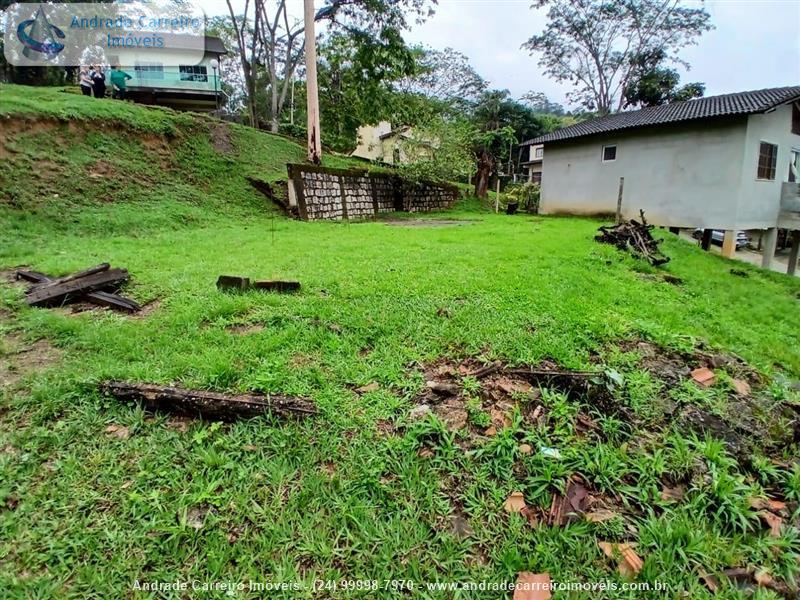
[99, 298]
[212, 405]
[48, 294]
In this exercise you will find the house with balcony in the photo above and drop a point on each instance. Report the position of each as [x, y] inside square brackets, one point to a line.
[178, 76]
[726, 162]
[533, 166]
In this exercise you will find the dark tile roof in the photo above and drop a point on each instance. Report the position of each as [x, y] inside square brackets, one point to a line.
[741, 103]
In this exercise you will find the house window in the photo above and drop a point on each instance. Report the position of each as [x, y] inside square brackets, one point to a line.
[767, 160]
[538, 153]
[149, 70]
[193, 73]
[796, 118]
[609, 153]
[536, 177]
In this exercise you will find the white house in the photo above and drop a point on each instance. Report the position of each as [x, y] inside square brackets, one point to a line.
[533, 166]
[722, 162]
[392, 146]
[174, 77]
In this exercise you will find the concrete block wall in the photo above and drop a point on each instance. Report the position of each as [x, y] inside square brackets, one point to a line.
[321, 193]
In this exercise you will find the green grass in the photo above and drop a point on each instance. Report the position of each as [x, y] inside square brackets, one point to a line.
[347, 495]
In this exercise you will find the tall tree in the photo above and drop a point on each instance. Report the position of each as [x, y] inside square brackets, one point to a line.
[592, 43]
[653, 84]
[444, 75]
[269, 37]
[357, 75]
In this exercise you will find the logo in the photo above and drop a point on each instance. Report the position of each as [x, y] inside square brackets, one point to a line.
[39, 37]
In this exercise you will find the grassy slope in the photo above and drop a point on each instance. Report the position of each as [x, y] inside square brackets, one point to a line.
[336, 497]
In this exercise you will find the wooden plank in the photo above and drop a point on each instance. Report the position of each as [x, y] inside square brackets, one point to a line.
[47, 294]
[212, 405]
[233, 283]
[102, 267]
[99, 298]
[33, 276]
[113, 301]
[282, 287]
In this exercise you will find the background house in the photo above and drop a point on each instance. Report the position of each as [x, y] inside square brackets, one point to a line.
[722, 162]
[533, 166]
[392, 146]
[177, 79]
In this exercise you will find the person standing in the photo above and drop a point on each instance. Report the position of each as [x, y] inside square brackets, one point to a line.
[99, 82]
[118, 85]
[85, 80]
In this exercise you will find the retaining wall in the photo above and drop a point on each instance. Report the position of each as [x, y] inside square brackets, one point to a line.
[321, 193]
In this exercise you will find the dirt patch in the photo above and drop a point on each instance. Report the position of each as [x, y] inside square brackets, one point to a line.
[102, 169]
[9, 276]
[221, 138]
[245, 328]
[428, 222]
[479, 399]
[20, 358]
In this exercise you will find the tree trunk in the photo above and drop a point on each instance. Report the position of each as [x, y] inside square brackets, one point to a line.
[484, 173]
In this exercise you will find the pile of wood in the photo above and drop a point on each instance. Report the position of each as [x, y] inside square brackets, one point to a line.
[97, 285]
[634, 237]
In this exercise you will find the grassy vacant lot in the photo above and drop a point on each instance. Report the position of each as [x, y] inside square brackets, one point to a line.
[95, 495]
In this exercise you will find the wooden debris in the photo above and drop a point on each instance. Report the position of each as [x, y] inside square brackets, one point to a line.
[233, 283]
[85, 285]
[485, 371]
[282, 287]
[532, 586]
[48, 294]
[629, 562]
[635, 237]
[704, 376]
[212, 405]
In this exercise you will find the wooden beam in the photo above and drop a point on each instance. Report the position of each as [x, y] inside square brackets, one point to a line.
[99, 298]
[58, 293]
[211, 405]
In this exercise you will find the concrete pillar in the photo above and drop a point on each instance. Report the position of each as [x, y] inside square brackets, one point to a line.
[768, 247]
[794, 253]
[729, 243]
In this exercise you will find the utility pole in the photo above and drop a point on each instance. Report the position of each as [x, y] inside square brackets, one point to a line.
[312, 92]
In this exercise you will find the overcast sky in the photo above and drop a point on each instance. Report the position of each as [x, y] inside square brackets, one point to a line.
[756, 43]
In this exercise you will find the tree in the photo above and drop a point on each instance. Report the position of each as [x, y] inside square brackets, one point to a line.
[653, 84]
[357, 73]
[593, 43]
[439, 150]
[266, 36]
[444, 75]
[540, 103]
